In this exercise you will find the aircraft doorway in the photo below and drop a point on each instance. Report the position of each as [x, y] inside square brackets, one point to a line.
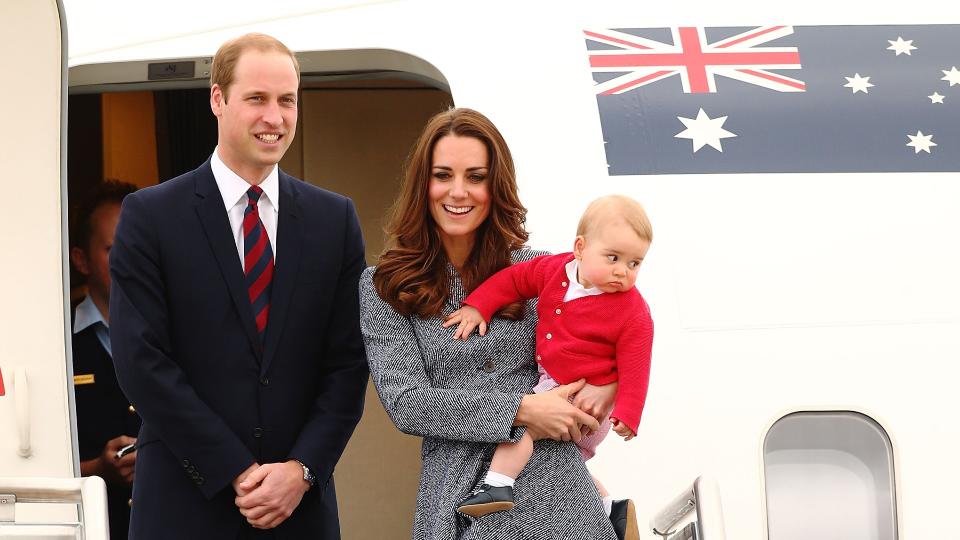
[353, 134]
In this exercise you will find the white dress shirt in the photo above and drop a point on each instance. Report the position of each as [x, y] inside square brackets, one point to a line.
[233, 189]
[576, 290]
[87, 315]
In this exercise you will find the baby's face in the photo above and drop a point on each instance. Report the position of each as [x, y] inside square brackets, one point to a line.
[610, 256]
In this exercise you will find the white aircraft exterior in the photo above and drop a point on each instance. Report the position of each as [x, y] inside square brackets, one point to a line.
[807, 324]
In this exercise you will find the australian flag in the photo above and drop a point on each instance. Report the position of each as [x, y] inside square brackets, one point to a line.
[778, 98]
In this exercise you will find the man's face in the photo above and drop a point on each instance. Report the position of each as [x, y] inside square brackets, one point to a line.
[258, 117]
[94, 262]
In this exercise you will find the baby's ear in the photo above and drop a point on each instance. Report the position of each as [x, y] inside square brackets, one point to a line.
[578, 246]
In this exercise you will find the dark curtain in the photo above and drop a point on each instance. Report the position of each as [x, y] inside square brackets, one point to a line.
[186, 130]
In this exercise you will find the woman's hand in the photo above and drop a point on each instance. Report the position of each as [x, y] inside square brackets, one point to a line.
[550, 415]
[467, 319]
[597, 401]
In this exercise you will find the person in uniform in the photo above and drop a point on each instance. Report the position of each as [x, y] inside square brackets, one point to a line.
[106, 421]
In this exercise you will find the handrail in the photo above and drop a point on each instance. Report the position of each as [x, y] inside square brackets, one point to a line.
[703, 497]
[90, 493]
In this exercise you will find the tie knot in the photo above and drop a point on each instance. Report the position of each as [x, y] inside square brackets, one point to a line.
[253, 194]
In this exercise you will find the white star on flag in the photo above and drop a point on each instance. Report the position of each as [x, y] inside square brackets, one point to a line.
[921, 142]
[936, 98]
[704, 130]
[858, 83]
[953, 76]
[900, 46]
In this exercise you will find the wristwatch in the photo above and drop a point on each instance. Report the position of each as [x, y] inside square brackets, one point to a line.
[307, 474]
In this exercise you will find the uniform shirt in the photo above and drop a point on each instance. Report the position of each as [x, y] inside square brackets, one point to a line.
[233, 189]
[86, 315]
[103, 412]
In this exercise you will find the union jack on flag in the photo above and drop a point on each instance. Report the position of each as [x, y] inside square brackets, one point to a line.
[697, 61]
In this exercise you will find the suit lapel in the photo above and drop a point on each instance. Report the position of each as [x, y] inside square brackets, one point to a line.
[216, 226]
[289, 246]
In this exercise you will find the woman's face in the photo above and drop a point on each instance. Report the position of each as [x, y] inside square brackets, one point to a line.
[459, 189]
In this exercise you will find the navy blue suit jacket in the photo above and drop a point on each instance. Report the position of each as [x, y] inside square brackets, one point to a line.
[185, 346]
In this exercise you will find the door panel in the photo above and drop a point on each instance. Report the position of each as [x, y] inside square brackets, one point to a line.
[32, 321]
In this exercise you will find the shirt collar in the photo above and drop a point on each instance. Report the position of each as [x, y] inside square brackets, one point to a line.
[87, 315]
[572, 267]
[233, 188]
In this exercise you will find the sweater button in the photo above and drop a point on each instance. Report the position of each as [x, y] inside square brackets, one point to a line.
[558, 311]
[489, 366]
[563, 283]
[549, 336]
[538, 358]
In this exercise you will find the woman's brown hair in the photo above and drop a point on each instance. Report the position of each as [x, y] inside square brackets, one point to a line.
[412, 272]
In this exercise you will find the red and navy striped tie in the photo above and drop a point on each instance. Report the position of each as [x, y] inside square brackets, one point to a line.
[257, 261]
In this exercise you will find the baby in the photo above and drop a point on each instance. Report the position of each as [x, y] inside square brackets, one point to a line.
[592, 324]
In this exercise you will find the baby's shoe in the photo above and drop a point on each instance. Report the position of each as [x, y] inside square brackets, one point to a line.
[487, 499]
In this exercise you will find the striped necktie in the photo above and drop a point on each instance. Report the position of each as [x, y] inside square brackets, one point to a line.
[257, 261]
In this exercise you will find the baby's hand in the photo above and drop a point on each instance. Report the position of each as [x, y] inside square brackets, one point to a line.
[622, 429]
[467, 318]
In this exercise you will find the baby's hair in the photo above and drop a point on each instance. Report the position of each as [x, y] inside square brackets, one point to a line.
[612, 207]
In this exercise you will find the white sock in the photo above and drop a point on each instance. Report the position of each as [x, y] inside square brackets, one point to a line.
[496, 479]
[608, 504]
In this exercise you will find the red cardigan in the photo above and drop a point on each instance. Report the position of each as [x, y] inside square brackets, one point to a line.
[601, 338]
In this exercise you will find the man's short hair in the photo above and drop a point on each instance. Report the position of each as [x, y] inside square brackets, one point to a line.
[103, 192]
[225, 61]
[616, 207]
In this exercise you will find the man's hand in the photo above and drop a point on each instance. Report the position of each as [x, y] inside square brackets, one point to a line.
[241, 478]
[113, 470]
[622, 429]
[597, 401]
[550, 415]
[271, 493]
[467, 318]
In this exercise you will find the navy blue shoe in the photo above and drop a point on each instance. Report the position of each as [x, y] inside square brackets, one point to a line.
[487, 499]
[623, 515]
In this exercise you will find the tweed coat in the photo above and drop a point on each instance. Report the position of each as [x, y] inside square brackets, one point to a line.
[462, 398]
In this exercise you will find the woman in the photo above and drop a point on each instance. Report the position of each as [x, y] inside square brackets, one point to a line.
[457, 221]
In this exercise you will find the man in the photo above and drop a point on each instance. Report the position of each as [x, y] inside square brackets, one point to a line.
[106, 420]
[236, 324]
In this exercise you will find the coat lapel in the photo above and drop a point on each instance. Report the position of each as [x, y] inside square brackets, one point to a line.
[216, 226]
[289, 246]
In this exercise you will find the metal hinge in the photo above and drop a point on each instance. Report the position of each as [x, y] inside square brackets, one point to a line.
[7, 505]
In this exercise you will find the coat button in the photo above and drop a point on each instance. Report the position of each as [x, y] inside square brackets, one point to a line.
[563, 283]
[130, 503]
[186, 463]
[549, 336]
[265, 381]
[257, 433]
[200, 481]
[131, 409]
[557, 311]
[488, 366]
[538, 358]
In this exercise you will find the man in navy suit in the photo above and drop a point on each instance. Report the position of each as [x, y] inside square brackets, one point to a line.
[235, 324]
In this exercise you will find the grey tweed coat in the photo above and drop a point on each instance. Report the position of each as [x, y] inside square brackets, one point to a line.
[462, 398]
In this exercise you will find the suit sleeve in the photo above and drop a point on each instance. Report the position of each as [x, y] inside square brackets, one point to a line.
[520, 281]
[343, 380]
[145, 363]
[633, 367]
[412, 402]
